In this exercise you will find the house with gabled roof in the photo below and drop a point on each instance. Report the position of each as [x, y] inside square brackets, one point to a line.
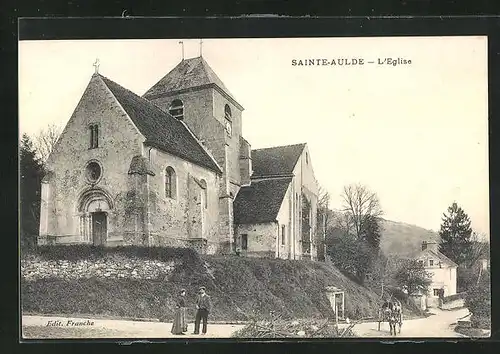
[442, 269]
[172, 168]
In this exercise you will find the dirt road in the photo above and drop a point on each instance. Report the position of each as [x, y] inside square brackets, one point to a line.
[439, 324]
[43, 327]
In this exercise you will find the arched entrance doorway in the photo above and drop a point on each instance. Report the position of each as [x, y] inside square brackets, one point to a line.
[94, 207]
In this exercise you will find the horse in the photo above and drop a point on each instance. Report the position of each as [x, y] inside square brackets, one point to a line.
[391, 312]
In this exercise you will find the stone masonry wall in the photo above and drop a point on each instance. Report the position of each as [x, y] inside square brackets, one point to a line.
[261, 239]
[112, 267]
[176, 220]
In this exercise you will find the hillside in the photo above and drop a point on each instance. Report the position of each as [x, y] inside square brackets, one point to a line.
[398, 238]
[403, 239]
[136, 282]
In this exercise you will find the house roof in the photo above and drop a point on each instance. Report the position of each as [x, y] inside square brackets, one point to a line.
[439, 256]
[189, 73]
[261, 201]
[278, 160]
[160, 129]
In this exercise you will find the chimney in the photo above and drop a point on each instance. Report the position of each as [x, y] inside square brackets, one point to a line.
[432, 245]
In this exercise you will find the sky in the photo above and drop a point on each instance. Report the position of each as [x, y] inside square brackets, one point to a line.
[416, 134]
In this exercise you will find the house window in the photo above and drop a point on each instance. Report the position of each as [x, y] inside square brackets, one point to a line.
[176, 109]
[94, 136]
[170, 183]
[436, 292]
[244, 241]
[283, 229]
[431, 262]
[228, 119]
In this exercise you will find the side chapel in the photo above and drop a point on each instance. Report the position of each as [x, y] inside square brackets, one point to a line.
[171, 168]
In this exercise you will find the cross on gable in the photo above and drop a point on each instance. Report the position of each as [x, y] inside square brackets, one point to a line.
[96, 66]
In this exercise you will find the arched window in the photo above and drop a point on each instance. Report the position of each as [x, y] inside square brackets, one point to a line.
[228, 119]
[94, 136]
[170, 183]
[176, 109]
[204, 193]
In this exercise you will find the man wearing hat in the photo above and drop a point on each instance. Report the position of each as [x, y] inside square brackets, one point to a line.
[203, 307]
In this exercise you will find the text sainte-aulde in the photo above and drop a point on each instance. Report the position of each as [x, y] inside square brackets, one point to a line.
[350, 62]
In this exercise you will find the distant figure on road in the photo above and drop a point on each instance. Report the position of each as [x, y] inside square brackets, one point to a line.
[203, 307]
[180, 324]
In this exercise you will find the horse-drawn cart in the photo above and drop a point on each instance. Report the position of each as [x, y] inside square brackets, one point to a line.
[392, 313]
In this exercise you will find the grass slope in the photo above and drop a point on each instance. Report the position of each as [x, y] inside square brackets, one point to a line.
[240, 289]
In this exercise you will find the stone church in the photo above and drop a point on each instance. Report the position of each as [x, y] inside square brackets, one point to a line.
[171, 168]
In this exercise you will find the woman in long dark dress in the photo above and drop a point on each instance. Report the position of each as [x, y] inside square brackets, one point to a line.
[180, 324]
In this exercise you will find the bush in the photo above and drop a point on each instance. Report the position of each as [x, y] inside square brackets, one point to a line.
[466, 278]
[478, 301]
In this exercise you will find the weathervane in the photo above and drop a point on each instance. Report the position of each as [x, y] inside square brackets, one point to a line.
[201, 47]
[96, 65]
[182, 44]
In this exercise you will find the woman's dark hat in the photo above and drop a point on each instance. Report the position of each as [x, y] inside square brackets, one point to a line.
[202, 288]
[183, 290]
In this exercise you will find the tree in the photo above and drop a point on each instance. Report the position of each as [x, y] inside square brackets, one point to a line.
[323, 213]
[350, 255]
[412, 277]
[455, 234]
[478, 249]
[45, 141]
[31, 172]
[363, 211]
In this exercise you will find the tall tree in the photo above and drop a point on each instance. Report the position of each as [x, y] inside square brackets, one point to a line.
[455, 234]
[31, 172]
[363, 210]
[323, 213]
[45, 140]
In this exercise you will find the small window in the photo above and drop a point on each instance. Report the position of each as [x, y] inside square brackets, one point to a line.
[176, 109]
[431, 262]
[283, 229]
[244, 241]
[94, 136]
[228, 120]
[436, 292]
[170, 183]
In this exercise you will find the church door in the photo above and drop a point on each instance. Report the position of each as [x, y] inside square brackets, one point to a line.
[99, 228]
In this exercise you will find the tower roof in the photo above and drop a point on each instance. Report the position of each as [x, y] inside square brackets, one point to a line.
[188, 74]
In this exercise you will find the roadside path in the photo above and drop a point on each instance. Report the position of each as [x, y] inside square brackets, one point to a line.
[439, 324]
[42, 327]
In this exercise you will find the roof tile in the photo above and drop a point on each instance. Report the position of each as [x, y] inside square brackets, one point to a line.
[278, 160]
